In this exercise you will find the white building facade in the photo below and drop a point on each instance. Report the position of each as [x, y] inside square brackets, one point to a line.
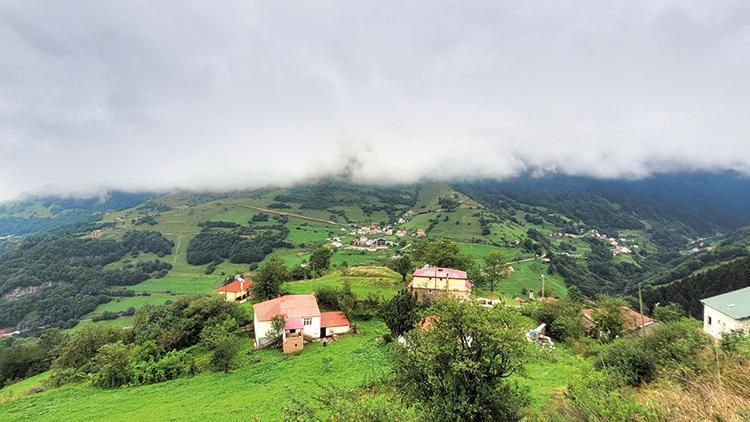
[727, 312]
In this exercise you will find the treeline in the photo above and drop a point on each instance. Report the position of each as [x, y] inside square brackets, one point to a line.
[241, 244]
[162, 344]
[329, 194]
[53, 279]
[689, 291]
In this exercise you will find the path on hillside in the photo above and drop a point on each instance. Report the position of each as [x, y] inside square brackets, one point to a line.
[528, 259]
[176, 250]
[288, 214]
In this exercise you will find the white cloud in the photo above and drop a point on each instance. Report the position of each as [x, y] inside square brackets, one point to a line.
[225, 95]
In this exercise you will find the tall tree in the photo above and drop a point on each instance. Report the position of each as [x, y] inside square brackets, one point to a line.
[444, 253]
[347, 298]
[320, 260]
[269, 278]
[457, 368]
[495, 268]
[400, 312]
[402, 265]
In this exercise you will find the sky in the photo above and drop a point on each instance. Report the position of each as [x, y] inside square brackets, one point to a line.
[223, 95]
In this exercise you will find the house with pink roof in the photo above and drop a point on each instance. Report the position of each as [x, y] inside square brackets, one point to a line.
[430, 282]
[302, 319]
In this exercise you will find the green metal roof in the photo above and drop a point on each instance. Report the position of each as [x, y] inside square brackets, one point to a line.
[736, 304]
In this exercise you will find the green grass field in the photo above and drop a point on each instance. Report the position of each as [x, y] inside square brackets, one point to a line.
[180, 283]
[365, 280]
[119, 304]
[261, 388]
[120, 322]
[527, 276]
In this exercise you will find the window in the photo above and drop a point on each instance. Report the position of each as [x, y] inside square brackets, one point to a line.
[307, 321]
[709, 320]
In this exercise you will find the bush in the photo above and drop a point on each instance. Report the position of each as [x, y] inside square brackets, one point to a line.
[328, 298]
[631, 363]
[111, 365]
[677, 345]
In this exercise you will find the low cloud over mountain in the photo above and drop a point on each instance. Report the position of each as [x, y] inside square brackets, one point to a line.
[225, 95]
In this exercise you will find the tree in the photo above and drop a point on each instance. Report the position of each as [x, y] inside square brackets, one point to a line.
[457, 368]
[111, 365]
[400, 312]
[495, 268]
[347, 298]
[269, 278]
[222, 341]
[609, 318]
[444, 253]
[402, 265]
[575, 295]
[669, 312]
[320, 260]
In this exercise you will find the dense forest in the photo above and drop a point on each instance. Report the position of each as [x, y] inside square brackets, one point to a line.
[19, 218]
[689, 291]
[54, 278]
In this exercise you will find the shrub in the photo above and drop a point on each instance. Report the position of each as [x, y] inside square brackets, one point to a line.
[631, 363]
[677, 345]
[111, 365]
[328, 298]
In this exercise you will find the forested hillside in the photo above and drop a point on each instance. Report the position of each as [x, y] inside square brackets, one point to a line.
[664, 229]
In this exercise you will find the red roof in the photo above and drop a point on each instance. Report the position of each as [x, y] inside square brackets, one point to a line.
[440, 273]
[631, 318]
[293, 323]
[236, 286]
[333, 319]
[291, 306]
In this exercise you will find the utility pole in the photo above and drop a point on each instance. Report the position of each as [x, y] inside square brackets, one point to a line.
[312, 264]
[542, 277]
[640, 303]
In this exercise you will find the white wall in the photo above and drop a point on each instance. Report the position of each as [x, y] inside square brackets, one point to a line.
[337, 330]
[261, 329]
[721, 323]
[314, 329]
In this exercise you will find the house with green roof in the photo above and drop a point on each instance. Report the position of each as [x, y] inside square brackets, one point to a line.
[727, 312]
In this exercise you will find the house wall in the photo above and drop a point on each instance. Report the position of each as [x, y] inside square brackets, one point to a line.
[429, 294]
[293, 344]
[722, 323]
[314, 329]
[341, 329]
[261, 330]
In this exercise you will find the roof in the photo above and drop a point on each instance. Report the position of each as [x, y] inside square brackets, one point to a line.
[440, 272]
[236, 286]
[293, 323]
[631, 319]
[427, 322]
[736, 304]
[291, 306]
[333, 319]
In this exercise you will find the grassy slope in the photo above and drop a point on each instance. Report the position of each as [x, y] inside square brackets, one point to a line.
[261, 388]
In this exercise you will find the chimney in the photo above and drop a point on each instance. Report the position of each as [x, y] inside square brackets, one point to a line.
[531, 294]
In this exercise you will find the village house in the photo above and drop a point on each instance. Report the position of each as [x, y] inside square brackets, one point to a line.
[727, 312]
[302, 319]
[633, 322]
[427, 283]
[238, 290]
[420, 233]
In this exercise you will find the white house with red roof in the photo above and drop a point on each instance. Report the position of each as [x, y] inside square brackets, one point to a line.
[238, 290]
[302, 319]
[429, 282]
